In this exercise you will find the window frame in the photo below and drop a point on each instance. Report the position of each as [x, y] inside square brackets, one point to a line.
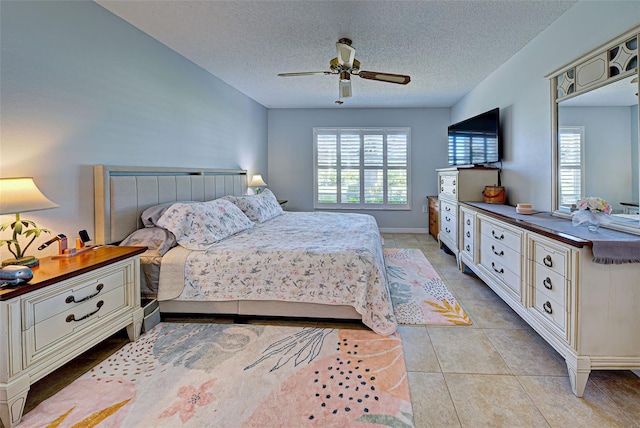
[384, 132]
[578, 130]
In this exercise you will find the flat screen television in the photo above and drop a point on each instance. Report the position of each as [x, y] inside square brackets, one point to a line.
[476, 141]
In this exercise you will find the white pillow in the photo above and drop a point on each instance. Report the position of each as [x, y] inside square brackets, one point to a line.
[154, 238]
[198, 226]
[259, 208]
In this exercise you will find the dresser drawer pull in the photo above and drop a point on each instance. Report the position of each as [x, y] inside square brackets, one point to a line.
[447, 218]
[547, 283]
[454, 190]
[442, 181]
[547, 261]
[468, 248]
[446, 229]
[468, 222]
[447, 208]
[73, 317]
[501, 253]
[72, 299]
[493, 233]
[468, 234]
[454, 182]
[547, 307]
[501, 271]
[442, 189]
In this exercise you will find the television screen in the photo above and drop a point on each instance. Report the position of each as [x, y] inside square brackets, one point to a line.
[476, 140]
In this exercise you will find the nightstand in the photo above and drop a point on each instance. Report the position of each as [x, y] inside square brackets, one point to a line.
[70, 305]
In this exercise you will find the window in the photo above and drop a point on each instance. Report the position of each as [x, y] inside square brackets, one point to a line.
[364, 168]
[571, 171]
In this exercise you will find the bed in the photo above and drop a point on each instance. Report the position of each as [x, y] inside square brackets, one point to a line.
[317, 265]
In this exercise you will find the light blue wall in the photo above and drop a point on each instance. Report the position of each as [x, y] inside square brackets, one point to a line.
[521, 90]
[79, 86]
[291, 154]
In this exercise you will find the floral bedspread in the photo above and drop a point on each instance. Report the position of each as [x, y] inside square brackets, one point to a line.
[327, 258]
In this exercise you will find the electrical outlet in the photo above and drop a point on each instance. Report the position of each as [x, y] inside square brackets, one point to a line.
[425, 208]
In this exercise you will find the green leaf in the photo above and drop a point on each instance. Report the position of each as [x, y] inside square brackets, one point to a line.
[386, 420]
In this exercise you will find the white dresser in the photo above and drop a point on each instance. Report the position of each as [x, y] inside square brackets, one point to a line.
[588, 312]
[459, 184]
[69, 306]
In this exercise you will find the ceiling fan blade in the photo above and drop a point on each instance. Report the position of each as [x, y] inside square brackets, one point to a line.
[400, 79]
[305, 73]
[346, 53]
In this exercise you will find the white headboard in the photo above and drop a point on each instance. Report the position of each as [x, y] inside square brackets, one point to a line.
[122, 193]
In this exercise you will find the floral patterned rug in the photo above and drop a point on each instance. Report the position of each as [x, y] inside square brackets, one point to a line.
[419, 295]
[230, 375]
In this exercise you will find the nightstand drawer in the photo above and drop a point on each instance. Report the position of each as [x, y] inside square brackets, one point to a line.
[92, 289]
[78, 317]
[551, 310]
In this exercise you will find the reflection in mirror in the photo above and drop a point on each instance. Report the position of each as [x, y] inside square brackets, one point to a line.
[598, 149]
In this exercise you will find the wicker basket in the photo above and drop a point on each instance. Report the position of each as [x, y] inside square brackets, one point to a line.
[494, 194]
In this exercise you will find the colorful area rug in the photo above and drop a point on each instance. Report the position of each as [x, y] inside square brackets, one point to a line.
[226, 375]
[419, 295]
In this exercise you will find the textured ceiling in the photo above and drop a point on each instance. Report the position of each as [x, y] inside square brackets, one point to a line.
[447, 47]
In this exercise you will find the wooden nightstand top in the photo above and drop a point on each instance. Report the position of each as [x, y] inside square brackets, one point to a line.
[51, 271]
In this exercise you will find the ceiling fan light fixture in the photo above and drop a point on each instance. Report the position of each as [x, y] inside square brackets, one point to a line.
[345, 76]
[346, 53]
[345, 89]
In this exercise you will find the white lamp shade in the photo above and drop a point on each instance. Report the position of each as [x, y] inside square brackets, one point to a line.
[19, 195]
[257, 181]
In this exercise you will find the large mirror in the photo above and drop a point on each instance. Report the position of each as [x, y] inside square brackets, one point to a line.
[598, 149]
[595, 122]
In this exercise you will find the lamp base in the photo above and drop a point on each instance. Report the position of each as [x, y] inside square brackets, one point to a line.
[29, 261]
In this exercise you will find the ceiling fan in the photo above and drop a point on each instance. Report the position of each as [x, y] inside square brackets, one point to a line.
[345, 65]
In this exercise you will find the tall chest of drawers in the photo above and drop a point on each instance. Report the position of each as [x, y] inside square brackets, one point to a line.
[459, 184]
[70, 305]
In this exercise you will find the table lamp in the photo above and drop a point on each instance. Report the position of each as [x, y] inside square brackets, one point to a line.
[257, 182]
[19, 195]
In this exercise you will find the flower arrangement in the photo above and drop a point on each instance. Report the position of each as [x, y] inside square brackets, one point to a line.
[593, 211]
[594, 204]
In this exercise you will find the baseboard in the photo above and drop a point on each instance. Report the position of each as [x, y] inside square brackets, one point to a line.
[404, 230]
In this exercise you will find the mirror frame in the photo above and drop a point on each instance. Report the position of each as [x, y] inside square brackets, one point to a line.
[599, 67]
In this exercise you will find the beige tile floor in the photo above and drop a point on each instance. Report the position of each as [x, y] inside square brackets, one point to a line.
[495, 373]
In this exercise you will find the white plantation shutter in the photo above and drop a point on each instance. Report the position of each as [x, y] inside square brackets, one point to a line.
[361, 168]
[570, 156]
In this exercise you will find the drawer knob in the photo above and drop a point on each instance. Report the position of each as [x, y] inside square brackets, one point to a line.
[468, 234]
[547, 283]
[493, 233]
[547, 307]
[501, 253]
[547, 261]
[500, 271]
[72, 299]
[72, 317]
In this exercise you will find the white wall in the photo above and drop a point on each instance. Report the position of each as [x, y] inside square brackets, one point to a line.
[291, 154]
[520, 89]
[79, 87]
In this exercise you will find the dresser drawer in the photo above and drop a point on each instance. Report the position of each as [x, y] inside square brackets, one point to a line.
[502, 272]
[448, 209]
[449, 228]
[91, 289]
[499, 234]
[468, 224]
[467, 247]
[449, 186]
[549, 283]
[501, 254]
[551, 310]
[551, 257]
[78, 317]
